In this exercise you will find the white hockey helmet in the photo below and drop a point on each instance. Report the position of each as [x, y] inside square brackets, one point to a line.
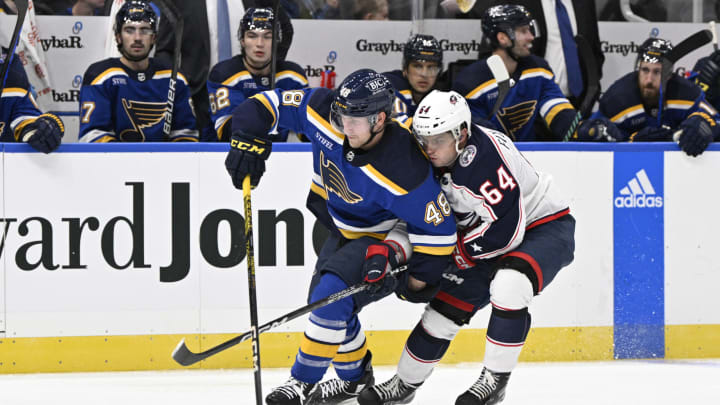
[440, 112]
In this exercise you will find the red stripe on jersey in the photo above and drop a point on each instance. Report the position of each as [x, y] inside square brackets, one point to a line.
[495, 342]
[548, 218]
[457, 303]
[535, 266]
[418, 359]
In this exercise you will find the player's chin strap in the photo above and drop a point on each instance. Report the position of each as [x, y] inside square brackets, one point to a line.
[373, 133]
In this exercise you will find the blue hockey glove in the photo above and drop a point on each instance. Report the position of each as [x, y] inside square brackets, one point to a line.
[598, 130]
[696, 134]
[380, 258]
[652, 134]
[44, 134]
[247, 155]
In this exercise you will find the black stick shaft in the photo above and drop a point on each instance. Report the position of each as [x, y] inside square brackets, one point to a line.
[22, 6]
[274, 45]
[173, 15]
[252, 289]
[185, 357]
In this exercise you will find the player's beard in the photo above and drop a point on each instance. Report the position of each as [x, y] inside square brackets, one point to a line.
[650, 95]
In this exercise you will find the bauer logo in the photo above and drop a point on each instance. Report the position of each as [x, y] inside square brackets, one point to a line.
[639, 192]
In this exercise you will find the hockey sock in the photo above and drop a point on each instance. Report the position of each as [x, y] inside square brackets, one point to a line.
[348, 361]
[325, 331]
[506, 335]
[426, 345]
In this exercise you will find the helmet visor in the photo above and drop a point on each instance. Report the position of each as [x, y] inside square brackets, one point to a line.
[435, 141]
[348, 124]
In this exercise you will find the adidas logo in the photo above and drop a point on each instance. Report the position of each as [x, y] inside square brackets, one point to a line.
[639, 193]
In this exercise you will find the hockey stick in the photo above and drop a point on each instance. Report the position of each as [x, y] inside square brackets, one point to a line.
[689, 44]
[22, 7]
[274, 45]
[592, 80]
[251, 288]
[185, 357]
[714, 35]
[176, 19]
[502, 78]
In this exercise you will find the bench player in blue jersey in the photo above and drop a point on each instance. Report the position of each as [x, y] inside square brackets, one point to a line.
[641, 108]
[421, 66]
[20, 118]
[242, 76]
[515, 233]
[369, 175]
[509, 30]
[124, 99]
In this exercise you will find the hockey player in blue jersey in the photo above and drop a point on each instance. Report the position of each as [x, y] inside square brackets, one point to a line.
[515, 233]
[632, 105]
[509, 30]
[124, 99]
[421, 66]
[368, 174]
[20, 118]
[242, 76]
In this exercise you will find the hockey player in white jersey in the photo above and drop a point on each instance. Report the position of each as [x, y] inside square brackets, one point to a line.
[514, 235]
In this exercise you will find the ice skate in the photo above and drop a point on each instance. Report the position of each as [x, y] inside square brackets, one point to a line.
[391, 392]
[337, 391]
[293, 392]
[489, 389]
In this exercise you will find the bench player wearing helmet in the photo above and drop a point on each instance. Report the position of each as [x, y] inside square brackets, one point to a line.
[233, 80]
[124, 99]
[640, 107]
[421, 67]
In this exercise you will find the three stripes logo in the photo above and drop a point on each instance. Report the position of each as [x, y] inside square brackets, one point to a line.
[639, 193]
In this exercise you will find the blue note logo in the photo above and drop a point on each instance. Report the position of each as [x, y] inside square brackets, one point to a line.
[638, 193]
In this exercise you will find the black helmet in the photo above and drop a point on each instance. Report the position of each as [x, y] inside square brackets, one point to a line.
[135, 10]
[422, 47]
[505, 18]
[257, 19]
[364, 93]
[653, 50]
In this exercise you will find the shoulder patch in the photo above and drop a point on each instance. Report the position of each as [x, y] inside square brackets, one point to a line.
[467, 155]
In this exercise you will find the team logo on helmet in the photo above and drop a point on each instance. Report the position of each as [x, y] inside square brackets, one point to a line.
[344, 92]
[467, 155]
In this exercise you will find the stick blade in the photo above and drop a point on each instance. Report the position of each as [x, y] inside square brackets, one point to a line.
[497, 67]
[183, 356]
[690, 44]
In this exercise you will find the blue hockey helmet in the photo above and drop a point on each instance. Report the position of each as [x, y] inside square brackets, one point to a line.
[257, 19]
[505, 18]
[135, 10]
[653, 50]
[422, 47]
[364, 93]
